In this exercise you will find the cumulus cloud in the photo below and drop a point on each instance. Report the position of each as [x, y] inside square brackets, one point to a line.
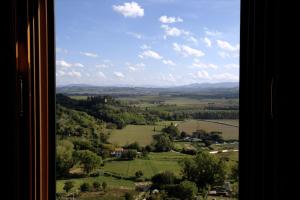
[168, 62]
[74, 74]
[187, 51]
[131, 9]
[101, 74]
[150, 54]
[78, 65]
[119, 75]
[89, 54]
[144, 46]
[136, 67]
[227, 46]
[204, 75]
[173, 31]
[65, 64]
[226, 77]
[62, 63]
[135, 35]
[204, 65]
[60, 73]
[207, 41]
[232, 66]
[169, 20]
[212, 33]
[102, 66]
[168, 78]
[201, 74]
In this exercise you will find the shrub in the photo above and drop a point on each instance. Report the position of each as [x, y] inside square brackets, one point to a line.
[85, 187]
[68, 186]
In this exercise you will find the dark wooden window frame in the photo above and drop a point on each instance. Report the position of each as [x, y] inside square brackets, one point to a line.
[29, 44]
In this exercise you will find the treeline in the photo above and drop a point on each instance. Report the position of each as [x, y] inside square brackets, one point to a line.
[119, 114]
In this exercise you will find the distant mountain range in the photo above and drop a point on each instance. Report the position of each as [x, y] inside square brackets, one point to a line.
[193, 85]
[226, 90]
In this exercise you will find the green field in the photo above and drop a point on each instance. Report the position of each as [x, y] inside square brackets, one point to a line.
[131, 133]
[111, 182]
[158, 162]
[228, 131]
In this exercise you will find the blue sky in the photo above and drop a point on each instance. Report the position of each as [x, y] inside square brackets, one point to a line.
[147, 42]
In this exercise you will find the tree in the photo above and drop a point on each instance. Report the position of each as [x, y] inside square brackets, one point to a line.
[129, 154]
[204, 170]
[104, 185]
[171, 130]
[164, 178]
[163, 143]
[128, 196]
[89, 160]
[64, 158]
[183, 134]
[96, 185]
[85, 187]
[68, 186]
[139, 174]
[187, 190]
[235, 172]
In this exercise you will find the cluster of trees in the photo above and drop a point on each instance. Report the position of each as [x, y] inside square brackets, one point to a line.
[119, 114]
[67, 156]
[208, 137]
[199, 174]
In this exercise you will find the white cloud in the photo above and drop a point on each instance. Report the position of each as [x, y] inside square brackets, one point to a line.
[204, 75]
[205, 65]
[78, 65]
[135, 35]
[119, 74]
[213, 33]
[187, 51]
[131, 9]
[232, 66]
[192, 39]
[101, 74]
[168, 62]
[144, 47]
[224, 55]
[227, 46]
[89, 54]
[226, 77]
[102, 66]
[150, 54]
[207, 41]
[168, 78]
[74, 74]
[169, 20]
[201, 74]
[62, 63]
[60, 73]
[173, 31]
[135, 67]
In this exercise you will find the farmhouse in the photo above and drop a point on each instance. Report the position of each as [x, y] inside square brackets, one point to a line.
[117, 152]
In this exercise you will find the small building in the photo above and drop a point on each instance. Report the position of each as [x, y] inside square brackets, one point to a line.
[117, 152]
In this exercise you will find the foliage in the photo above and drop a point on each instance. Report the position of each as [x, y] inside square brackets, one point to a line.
[64, 158]
[139, 174]
[88, 159]
[96, 185]
[130, 154]
[171, 130]
[85, 187]
[204, 170]
[163, 143]
[128, 196]
[68, 186]
[164, 178]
